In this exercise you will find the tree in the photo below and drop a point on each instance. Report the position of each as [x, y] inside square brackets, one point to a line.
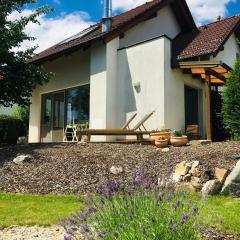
[231, 101]
[17, 77]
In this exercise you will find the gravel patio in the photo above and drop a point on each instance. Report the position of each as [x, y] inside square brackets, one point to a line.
[81, 168]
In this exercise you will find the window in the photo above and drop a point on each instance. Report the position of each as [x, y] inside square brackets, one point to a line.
[59, 107]
[47, 110]
[77, 101]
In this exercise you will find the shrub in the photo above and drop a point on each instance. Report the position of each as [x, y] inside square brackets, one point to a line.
[141, 212]
[231, 102]
[22, 113]
[11, 129]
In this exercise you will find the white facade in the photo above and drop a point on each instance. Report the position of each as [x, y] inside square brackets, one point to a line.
[127, 75]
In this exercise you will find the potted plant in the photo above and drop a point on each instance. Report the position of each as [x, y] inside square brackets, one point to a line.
[166, 133]
[161, 142]
[178, 139]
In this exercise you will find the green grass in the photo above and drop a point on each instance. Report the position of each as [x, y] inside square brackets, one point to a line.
[229, 211]
[18, 209]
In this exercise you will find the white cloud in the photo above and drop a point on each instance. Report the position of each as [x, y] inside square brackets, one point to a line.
[208, 10]
[202, 10]
[53, 30]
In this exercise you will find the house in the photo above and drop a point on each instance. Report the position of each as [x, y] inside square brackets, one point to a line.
[153, 57]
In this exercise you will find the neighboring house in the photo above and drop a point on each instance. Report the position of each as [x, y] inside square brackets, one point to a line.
[152, 57]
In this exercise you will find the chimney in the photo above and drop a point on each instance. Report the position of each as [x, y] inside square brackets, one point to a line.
[107, 16]
[219, 18]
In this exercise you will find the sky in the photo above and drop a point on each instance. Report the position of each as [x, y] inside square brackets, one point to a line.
[72, 16]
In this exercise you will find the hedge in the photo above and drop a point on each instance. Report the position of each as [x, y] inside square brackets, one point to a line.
[11, 128]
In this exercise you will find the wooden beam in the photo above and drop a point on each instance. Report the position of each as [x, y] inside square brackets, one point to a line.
[208, 107]
[210, 72]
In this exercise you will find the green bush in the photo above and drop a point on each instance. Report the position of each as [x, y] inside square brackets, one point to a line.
[11, 128]
[22, 113]
[231, 102]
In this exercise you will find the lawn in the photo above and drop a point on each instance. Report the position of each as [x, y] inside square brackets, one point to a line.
[18, 209]
[228, 209]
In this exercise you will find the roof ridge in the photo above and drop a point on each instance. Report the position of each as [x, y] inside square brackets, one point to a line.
[222, 20]
[146, 3]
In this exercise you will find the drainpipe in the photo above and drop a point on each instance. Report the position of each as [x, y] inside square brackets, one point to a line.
[107, 16]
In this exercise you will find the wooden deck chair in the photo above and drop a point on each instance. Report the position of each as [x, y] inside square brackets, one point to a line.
[136, 131]
[141, 123]
[126, 125]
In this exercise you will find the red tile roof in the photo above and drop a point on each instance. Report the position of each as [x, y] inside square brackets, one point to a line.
[206, 40]
[120, 24]
[117, 22]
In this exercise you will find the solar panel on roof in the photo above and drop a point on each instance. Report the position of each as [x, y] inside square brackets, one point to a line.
[79, 35]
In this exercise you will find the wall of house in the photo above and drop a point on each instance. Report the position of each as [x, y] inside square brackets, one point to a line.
[174, 84]
[141, 66]
[229, 54]
[103, 89]
[164, 23]
[69, 71]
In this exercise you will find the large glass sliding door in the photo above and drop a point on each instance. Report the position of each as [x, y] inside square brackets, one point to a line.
[70, 106]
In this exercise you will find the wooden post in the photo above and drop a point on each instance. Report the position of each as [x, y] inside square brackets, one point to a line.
[208, 107]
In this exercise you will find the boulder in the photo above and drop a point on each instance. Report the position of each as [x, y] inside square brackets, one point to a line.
[116, 170]
[194, 170]
[22, 140]
[221, 174]
[187, 177]
[188, 187]
[196, 183]
[21, 159]
[180, 171]
[211, 187]
[232, 183]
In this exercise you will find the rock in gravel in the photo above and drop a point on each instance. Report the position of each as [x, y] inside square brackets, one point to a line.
[165, 150]
[211, 187]
[232, 183]
[21, 159]
[181, 170]
[22, 140]
[116, 170]
[221, 174]
[196, 182]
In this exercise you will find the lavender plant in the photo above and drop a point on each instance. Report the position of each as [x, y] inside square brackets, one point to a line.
[143, 211]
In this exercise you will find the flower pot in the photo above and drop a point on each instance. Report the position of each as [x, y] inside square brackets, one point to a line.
[179, 141]
[158, 135]
[161, 143]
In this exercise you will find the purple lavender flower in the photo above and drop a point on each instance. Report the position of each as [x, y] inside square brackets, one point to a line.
[194, 212]
[101, 234]
[170, 222]
[85, 228]
[160, 197]
[92, 209]
[184, 218]
[121, 225]
[169, 198]
[176, 205]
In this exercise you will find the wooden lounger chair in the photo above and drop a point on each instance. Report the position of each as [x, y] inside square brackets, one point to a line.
[136, 131]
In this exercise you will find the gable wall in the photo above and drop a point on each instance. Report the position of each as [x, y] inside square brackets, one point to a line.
[228, 55]
[164, 23]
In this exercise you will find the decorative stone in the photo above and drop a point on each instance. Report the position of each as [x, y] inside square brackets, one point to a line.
[195, 164]
[187, 177]
[22, 140]
[232, 183]
[221, 174]
[181, 170]
[196, 182]
[21, 159]
[116, 170]
[211, 187]
[165, 150]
